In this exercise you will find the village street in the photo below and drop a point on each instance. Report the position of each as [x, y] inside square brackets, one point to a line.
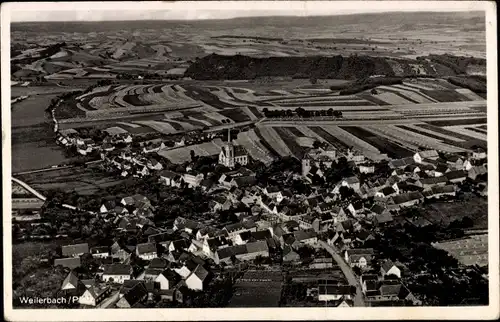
[346, 269]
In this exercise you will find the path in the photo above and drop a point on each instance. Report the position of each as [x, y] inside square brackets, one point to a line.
[346, 269]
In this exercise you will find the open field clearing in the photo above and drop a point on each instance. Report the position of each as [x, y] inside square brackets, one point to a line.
[432, 134]
[182, 154]
[290, 140]
[471, 250]
[85, 181]
[452, 121]
[354, 141]
[392, 98]
[462, 129]
[469, 94]
[411, 140]
[162, 127]
[383, 144]
[412, 95]
[275, 141]
[251, 142]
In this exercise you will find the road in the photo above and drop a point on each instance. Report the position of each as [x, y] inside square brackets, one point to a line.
[346, 269]
[109, 301]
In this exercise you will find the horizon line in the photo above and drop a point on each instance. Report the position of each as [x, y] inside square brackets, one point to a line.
[187, 19]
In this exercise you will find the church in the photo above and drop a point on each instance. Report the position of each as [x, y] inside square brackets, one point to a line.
[231, 154]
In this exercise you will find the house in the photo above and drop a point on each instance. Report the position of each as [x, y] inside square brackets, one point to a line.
[133, 296]
[335, 292]
[107, 206]
[401, 163]
[405, 200]
[355, 156]
[456, 176]
[117, 273]
[246, 252]
[366, 168]
[289, 255]
[360, 257]
[321, 263]
[439, 191]
[167, 279]
[71, 282]
[428, 154]
[386, 192]
[351, 182]
[272, 191]
[307, 237]
[381, 214]
[476, 171]
[74, 250]
[119, 252]
[153, 147]
[100, 251]
[235, 229]
[356, 207]
[71, 262]
[427, 183]
[368, 282]
[170, 178]
[282, 195]
[198, 279]
[178, 245]
[479, 154]
[136, 200]
[192, 180]
[93, 295]
[389, 268]
[153, 164]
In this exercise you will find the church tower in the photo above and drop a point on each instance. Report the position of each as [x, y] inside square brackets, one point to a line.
[306, 165]
[228, 151]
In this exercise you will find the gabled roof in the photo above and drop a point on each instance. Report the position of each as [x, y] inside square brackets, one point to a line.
[68, 262]
[200, 272]
[304, 235]
[405, 197]
[135, 294]
[387, 191]
[336, 289]
[71, 279]
[255, 247]
[387, 265]
[428, 154]
[71, 250]
[117, 269]
[158, 263]
[146, 248]
[171, 275]
[457, 174]
[434, 180]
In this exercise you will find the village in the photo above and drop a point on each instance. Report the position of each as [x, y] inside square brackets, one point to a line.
[301, 238]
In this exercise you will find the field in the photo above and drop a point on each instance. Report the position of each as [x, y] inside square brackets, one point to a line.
[84, 181]
[469, 251]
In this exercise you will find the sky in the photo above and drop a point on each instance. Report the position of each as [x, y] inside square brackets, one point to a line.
[188, 10]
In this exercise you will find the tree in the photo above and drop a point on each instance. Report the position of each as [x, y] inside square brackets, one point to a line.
[346, 192]
[193, 155]
[330, 112]
[374, 91]
[313, 80]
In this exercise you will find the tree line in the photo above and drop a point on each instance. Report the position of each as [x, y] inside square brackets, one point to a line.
[301, 112]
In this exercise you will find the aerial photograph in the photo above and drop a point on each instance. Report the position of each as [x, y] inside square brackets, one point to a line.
[254, 160]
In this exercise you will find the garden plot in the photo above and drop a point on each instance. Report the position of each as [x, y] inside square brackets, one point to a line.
[462, 129]
[251, 142]
[275, 141]
[290, 140]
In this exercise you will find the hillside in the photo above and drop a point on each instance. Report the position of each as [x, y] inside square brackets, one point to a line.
[338, 67]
